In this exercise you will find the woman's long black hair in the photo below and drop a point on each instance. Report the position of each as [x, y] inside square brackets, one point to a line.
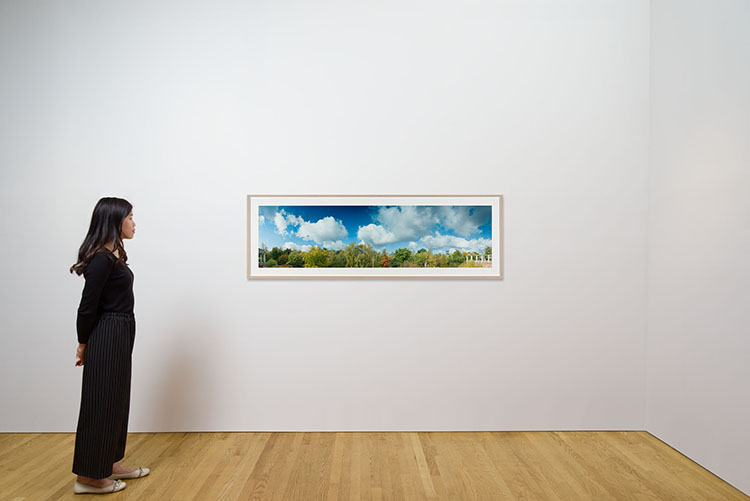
[105, 228]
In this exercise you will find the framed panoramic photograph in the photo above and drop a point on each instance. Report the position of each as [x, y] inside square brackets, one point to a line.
[375, 236]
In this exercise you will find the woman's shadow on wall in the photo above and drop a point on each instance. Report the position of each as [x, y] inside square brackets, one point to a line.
[182, 386]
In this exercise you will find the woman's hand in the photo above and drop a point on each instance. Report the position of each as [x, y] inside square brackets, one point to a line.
[80, 354]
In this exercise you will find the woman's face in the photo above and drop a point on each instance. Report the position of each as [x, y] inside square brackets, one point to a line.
[128, 227]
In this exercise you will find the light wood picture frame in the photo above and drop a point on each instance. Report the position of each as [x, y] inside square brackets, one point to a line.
[375, 236]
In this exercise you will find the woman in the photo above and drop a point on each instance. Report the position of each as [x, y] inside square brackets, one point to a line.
[106, 332]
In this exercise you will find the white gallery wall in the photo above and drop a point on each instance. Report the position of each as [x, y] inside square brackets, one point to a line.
[699, 234]
[184, 108]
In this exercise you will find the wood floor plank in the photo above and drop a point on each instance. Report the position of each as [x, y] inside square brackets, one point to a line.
[424, 470]
[337, 460]
[244, 461]
[557, 474]
[56, 453]
[373, 466]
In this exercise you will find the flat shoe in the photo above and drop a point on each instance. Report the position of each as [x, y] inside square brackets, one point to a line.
[140, 472]
[80, 488]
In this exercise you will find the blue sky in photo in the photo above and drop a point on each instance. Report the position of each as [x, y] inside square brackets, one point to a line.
[440, 227]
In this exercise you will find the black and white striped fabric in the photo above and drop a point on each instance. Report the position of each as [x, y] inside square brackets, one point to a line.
[105, 396]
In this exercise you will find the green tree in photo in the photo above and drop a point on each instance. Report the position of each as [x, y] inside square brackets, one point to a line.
[373, 257]
[316, 258]
[456, 258]
[361, 256]
[339, 260]
[275, 253]
[400, 256]
[420, 258]
[432, 259]
[295, 259]
[442, 260]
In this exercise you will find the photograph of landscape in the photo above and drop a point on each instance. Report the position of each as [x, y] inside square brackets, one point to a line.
[373, 237]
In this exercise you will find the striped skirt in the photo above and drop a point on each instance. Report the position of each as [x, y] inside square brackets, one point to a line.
[105, 396]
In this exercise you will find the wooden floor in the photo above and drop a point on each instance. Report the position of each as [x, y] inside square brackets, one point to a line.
[350, 466]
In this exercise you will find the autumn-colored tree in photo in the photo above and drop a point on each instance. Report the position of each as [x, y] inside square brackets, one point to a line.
[384, 261]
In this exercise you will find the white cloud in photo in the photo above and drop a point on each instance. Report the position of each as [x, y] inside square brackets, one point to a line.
[407, 222]
[326, 229]
[464, 220]
[261, 220]
[281, 220]
[413, 245]
[337, 245]
[294, 220]
[297, 247]
[412, 223]
[375, 235]
[442, 243]
[268, 211]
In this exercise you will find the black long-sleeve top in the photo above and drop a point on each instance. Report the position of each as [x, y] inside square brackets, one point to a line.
[109, 287]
